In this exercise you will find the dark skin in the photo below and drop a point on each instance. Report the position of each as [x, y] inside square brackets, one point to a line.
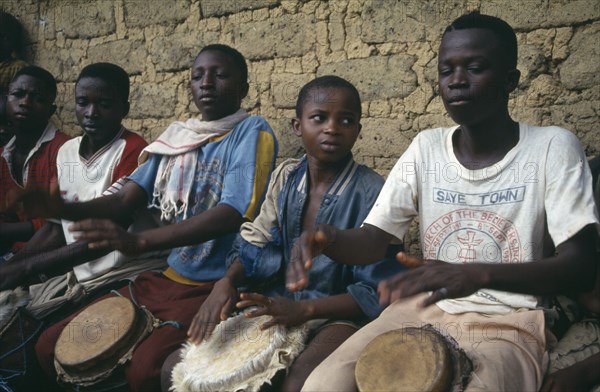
[328, 129]
[222, 81]
[99, 110]
[583, 375]
[474, 84]
[29, 105]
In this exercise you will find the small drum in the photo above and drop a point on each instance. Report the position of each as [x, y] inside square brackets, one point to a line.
[99, 339]
[412, 359]
[239, 356]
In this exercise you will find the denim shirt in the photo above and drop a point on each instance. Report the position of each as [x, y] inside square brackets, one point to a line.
[264, 246]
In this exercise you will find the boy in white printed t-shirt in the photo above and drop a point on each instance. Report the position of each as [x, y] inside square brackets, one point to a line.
[483, 192]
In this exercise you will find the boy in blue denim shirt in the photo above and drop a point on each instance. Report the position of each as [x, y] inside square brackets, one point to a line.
[325, 185]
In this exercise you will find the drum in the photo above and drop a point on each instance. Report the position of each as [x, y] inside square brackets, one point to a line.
[99, 339]
[412, 359]
[238, 356]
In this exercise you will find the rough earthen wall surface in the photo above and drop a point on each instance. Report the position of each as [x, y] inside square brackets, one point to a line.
[387, 48]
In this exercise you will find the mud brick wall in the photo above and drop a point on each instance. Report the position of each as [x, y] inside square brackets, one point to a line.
[386, 47]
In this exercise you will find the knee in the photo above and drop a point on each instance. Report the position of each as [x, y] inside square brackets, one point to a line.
[44, 350]
[167, 369]
[143, 373]
[293, 383]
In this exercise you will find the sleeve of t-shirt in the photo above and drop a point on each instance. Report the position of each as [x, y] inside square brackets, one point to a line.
[145, 175]
[397, 203]
[254, 157]
[260, 250]
[569, 199]
[134, 145]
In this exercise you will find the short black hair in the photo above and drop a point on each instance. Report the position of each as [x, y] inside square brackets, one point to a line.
[327, 81]
[41, 74]
[238, 58]
[112, 74]
[505, 34]
[10, 27]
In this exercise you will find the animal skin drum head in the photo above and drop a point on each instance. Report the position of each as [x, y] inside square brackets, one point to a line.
[93, 333]
[238, 356]
[408, 359]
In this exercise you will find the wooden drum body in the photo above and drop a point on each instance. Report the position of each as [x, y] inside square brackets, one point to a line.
[412, 359]
[99, 339]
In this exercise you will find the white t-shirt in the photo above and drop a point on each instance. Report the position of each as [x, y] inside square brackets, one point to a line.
[493, 215]
[81, 179]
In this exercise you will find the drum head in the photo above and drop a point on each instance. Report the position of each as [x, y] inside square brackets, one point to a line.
[94, 333]
[408, 359]
[238, 356]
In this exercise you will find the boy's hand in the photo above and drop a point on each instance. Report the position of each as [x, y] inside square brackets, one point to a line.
[284, 311]
[444, 280]
[216, 308]
[105, 234]
[310, 244]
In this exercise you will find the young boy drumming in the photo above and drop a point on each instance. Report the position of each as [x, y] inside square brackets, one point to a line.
[88, 166]
[29, 158]
[207, 176]
[483, 191]
[325, 186]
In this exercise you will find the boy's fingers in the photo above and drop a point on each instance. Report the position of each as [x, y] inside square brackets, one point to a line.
[409, 261]
[295, 275]
[225, 310]
[321, 240]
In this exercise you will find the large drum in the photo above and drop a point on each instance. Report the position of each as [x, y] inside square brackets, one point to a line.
[238, 356]
[99, 339]
[412, 359]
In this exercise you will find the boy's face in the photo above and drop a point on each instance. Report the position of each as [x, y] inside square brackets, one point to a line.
[29, 105]
[216, 85]
[99, 109]
[329, 124]
[473, 77]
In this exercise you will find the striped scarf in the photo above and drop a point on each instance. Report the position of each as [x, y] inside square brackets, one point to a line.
[177, 168]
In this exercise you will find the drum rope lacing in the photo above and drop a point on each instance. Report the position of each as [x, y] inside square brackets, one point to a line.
[10, 373]
[157, 323]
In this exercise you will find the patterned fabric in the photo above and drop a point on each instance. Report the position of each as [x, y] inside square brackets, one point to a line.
[493, 215]
[177, 147]
[233, 170]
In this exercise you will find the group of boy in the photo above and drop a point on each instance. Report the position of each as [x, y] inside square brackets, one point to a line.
[332, 224]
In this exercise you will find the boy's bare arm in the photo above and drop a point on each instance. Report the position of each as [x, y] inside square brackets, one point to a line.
[289, 313]
[360, 246]
[571, 270]
[12, 232]
[213, 223]
[54, 262]
[219, 305]
[581, 376]
[119, 207]
[47, 238]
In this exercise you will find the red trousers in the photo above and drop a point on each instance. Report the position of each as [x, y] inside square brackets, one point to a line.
[166, 300]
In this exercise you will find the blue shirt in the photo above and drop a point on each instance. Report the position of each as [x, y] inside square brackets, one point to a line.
[265, 251]
[233, 169]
